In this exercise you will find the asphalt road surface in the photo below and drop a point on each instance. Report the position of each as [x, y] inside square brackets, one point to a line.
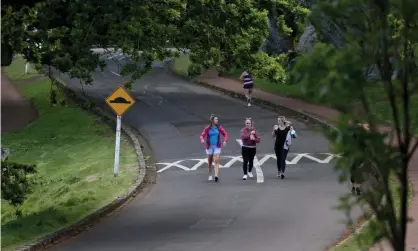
[185, 212]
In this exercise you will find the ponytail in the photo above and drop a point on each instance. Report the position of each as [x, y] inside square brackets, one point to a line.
[211, 118]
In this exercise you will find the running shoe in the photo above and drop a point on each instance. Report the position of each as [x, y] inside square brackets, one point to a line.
[282, 176]
[216, 179]
[244, 177]
[250, 174]
[210, 178]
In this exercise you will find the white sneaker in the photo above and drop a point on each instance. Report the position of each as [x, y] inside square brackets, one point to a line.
[249, 104]
[244, 177]
[210, 178]
[279, 175]
[250, 175]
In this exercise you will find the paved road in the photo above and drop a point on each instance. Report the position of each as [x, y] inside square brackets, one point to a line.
[184, 212]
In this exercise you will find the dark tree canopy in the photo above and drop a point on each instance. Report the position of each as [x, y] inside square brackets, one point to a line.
[62, 33]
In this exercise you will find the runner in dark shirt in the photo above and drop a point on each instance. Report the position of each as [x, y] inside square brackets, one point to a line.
[280, 132]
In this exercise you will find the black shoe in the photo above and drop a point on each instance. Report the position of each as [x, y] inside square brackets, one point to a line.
[358, 191]
[282, 176]
[353, 190]
[216, 179]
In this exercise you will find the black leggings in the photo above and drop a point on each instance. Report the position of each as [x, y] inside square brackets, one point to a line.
[248, 155]
[281, 156]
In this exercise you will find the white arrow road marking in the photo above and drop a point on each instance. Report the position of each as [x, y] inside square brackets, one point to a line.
[258, 171]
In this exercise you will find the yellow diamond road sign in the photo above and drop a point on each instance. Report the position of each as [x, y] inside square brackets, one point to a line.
[120, 101]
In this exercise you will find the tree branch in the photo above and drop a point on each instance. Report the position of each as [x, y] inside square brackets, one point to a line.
[385, 69]
[403, 177]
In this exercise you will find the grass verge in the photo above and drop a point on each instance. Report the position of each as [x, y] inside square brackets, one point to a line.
[74, 153]
[363, 239]
[16, 71]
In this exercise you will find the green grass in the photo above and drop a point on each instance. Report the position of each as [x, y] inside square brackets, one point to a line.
[16, 71]
[363, 240]
[74, 153]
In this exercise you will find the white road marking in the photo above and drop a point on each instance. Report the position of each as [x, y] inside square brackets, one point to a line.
[258, 163]
[176, 164]
[239, 141]
[115, 73]
[258, 171]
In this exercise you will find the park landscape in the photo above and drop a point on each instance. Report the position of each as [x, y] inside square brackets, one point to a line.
[358, 58]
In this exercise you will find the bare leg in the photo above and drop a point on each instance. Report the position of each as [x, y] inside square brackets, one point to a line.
[210, 160]
[216, 158]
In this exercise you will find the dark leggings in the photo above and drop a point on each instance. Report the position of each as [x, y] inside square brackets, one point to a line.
[354, 172]
[281, 156]
[248, 155]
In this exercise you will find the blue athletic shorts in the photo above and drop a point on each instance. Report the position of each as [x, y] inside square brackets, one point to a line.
[213, 150]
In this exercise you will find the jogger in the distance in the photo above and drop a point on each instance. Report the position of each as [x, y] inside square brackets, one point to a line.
[211, 135]
[248, 84]
[250, 139]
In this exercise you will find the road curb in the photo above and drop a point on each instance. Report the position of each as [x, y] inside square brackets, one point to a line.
[364, 219]
[139, 183]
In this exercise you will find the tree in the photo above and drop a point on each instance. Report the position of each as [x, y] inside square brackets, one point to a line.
[16, 183]
[226, 33]
[383, 34]
[62, 33]
[286, 20]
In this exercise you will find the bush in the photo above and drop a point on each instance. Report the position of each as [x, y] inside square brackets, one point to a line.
[16, 183]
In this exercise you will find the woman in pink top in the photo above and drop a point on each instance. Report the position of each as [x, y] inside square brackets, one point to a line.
[211, 135]
[250, 138]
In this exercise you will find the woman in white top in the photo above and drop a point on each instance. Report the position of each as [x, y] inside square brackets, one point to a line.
[283, 132]
[286, 147]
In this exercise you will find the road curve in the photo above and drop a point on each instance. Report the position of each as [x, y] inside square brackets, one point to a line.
[184, 212]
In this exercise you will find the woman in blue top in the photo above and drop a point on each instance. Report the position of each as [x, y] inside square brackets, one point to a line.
[211, 136]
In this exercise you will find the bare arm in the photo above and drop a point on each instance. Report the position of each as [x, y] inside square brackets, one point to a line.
[242, 75]
[273, 133]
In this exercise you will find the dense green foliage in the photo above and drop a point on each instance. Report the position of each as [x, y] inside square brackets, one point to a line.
[217, 32]
[289, 17]
[15, 182]
[383, 34]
